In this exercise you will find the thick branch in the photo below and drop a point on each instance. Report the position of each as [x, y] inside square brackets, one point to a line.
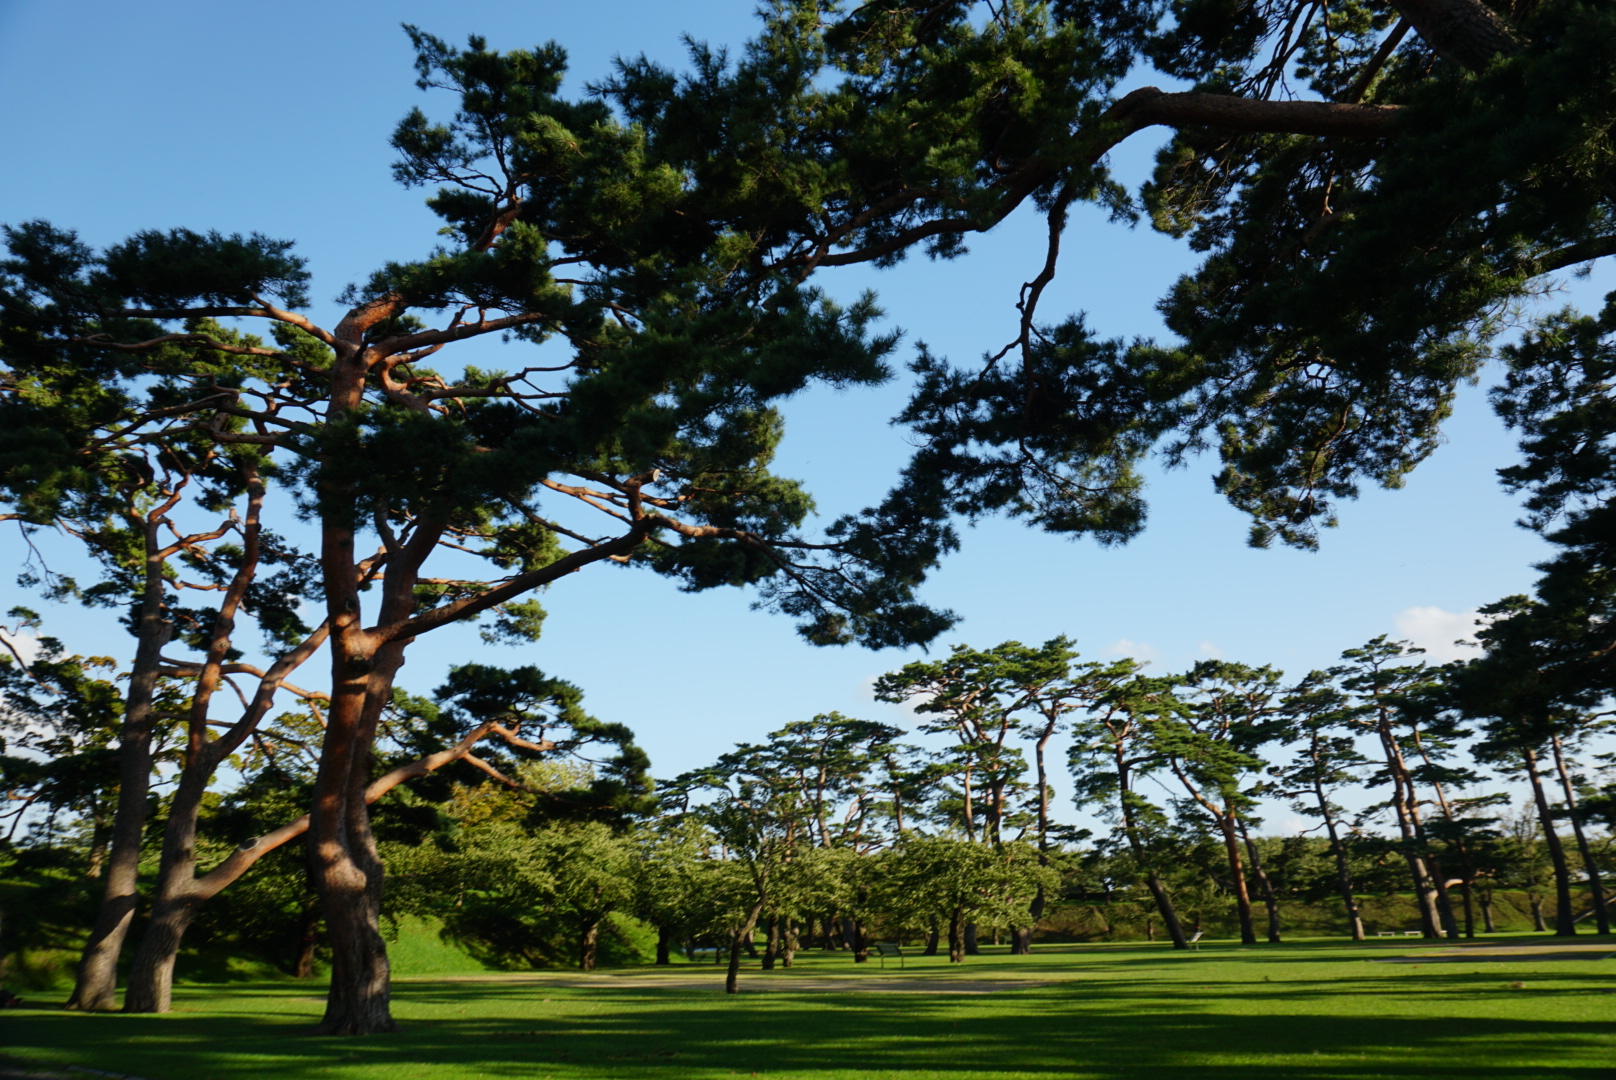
[1149, 106]
[468, 606]
[1467, 32]
[1145, 107]
[244, 856]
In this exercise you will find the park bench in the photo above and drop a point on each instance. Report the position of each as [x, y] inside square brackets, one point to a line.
[889, 948]
[1195, 942]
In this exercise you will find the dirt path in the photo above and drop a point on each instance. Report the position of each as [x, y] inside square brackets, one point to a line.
[1511, 954]
[775, 981]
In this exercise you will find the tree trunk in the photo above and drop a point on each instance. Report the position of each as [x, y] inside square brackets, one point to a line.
[1487, 911]
[308, 942]
[788, 953]
[346, 867]
[1237, 874]
[588, 941]
[1270, 898]
[1425, 895]
[1589, 866]
[1408, 827]
[95, 986]
[1565, 919]
[151, 976]
[1469, 910]
[1467, 32]
[971, 946]
[956, 937]
[1164, 905]
[1021, 939]
[1343, 873]
[1158, 891]
[177, 881]
[932, 940]
[664, 937]
[1444, 900]
[100, 842]
[771, 948]
[732, 979]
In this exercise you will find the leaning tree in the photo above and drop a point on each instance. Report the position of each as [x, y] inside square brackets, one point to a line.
[658, 332]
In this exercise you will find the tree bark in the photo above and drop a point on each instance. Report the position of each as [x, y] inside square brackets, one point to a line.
[95, 985]
[732, 979]
[771, 948]
[1021, 937]
[1589, 866]
[588, 941]
[1469, 909]
[1270, 898]
[663, 953]
[151, 976]
[1409, 830]
[956, 937]
[1487, 911]
[1466, 32]
[178, 884]
[1149, 106]
[1565, 919]
[1158, 891]
[308, 942]
[1237, 874]
[1444, 899]
[972, 947]
[1343, 871]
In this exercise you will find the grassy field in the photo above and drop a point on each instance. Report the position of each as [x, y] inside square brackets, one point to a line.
[1301, 1010]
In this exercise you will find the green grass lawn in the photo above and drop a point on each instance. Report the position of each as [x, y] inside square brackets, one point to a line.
[1309, 1009]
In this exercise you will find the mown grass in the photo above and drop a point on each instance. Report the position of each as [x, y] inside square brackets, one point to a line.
[1302, 1010]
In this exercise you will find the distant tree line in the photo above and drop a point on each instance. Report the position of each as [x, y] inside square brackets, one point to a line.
[552, 846]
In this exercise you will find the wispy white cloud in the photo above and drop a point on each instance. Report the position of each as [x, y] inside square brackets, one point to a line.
[1438, 632]
[867, 691]
[1138, 650]
[1296, 825]
[26, 643]
[1210, 650]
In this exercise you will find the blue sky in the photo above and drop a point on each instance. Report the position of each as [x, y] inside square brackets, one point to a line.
[117, 116]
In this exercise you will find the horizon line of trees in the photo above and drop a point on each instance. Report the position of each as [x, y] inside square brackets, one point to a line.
[835, 830]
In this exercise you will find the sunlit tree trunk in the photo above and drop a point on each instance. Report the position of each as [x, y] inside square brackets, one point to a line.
[1589, 865]
[1565, 919]
[95, 985]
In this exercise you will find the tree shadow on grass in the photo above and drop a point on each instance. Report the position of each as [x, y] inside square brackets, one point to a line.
[1071, 1031]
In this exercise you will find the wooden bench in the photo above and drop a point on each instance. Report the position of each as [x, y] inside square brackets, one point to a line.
[889, 948]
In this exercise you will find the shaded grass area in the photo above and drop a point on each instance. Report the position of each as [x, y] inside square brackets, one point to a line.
[1308, 1010]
